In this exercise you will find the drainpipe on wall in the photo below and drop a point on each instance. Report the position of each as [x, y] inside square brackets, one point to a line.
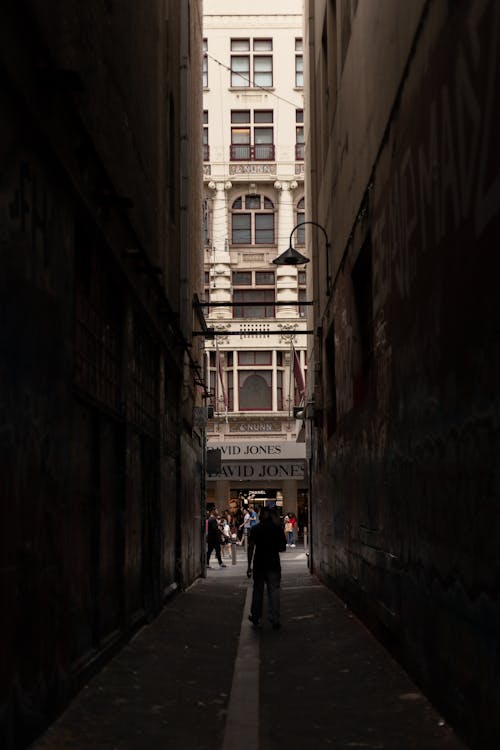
[185, 306]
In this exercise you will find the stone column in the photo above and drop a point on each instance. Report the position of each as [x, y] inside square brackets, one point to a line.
[286, 277]
[220, 269]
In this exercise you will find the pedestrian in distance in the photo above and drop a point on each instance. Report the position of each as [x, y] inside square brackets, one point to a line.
[290, 540]
[265, 543]
[213, 539]
[225, 536]
[245, 526]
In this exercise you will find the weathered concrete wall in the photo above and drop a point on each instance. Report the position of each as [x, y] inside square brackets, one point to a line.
[405, 470]
[95, 395]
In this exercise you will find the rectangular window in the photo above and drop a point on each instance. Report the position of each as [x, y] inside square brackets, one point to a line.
[299, 64]
[242, 278]
[240, 116]
[299, 143]
[263, 135]
[264, 278]
[240, 70]
[255, 358]
[263, 71]
[256, 61]
[264, 229]
[263, 115]
[302, 298]
[205, 64]
[262, 45]
[299, 135]
[241, 234]
[240, 136]
[279, 389]
[206, 148]
[262, 307]
[240, 45]
[264, 144]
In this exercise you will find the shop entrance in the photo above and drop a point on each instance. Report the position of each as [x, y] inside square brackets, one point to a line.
[257, 497]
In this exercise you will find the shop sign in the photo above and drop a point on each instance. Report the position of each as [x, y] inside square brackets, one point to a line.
[259, 450]
[258, 470]
[257, 426]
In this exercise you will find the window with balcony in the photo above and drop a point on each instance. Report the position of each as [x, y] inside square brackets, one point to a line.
[252, 220]
[251, 63]
[206, 148]
[252, 135]
[300, 235]
[299, 135]
[302, 292]
[206, 236]
[255, 385]
[253, 374]
[299, 64]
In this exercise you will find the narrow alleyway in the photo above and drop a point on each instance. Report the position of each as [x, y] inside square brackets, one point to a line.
[200, 677]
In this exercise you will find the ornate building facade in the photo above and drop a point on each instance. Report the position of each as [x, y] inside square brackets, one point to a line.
[253, 142]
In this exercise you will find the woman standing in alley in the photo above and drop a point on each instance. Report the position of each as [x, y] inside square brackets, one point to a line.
[290, 539]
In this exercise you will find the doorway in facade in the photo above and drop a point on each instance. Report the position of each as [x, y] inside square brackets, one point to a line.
[256, 496]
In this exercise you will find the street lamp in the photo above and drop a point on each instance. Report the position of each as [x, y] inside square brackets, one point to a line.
[292, 257]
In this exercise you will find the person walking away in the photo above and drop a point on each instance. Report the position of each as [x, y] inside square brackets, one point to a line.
[213, 539]
[265, 542]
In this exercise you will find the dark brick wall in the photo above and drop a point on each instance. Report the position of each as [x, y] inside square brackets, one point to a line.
[91, 358]
[406, 474]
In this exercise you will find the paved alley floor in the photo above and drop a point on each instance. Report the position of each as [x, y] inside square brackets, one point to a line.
[201, 678]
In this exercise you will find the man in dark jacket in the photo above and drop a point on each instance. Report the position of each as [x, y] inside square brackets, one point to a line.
[266, 541]
[213, 539]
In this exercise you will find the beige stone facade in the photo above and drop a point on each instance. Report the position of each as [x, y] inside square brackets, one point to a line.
[254, 197]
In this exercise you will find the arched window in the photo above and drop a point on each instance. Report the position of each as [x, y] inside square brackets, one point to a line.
[255, 390]
[300, 215]
[252, 220]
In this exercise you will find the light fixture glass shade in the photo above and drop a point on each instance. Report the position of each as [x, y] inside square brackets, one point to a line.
[291, 257]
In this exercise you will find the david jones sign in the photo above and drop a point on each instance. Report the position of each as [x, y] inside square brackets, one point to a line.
[278, 470]
[262, 460]
[261, 450]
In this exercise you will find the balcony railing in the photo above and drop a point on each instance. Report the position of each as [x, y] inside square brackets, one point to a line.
[299, 151]
[245, 152]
